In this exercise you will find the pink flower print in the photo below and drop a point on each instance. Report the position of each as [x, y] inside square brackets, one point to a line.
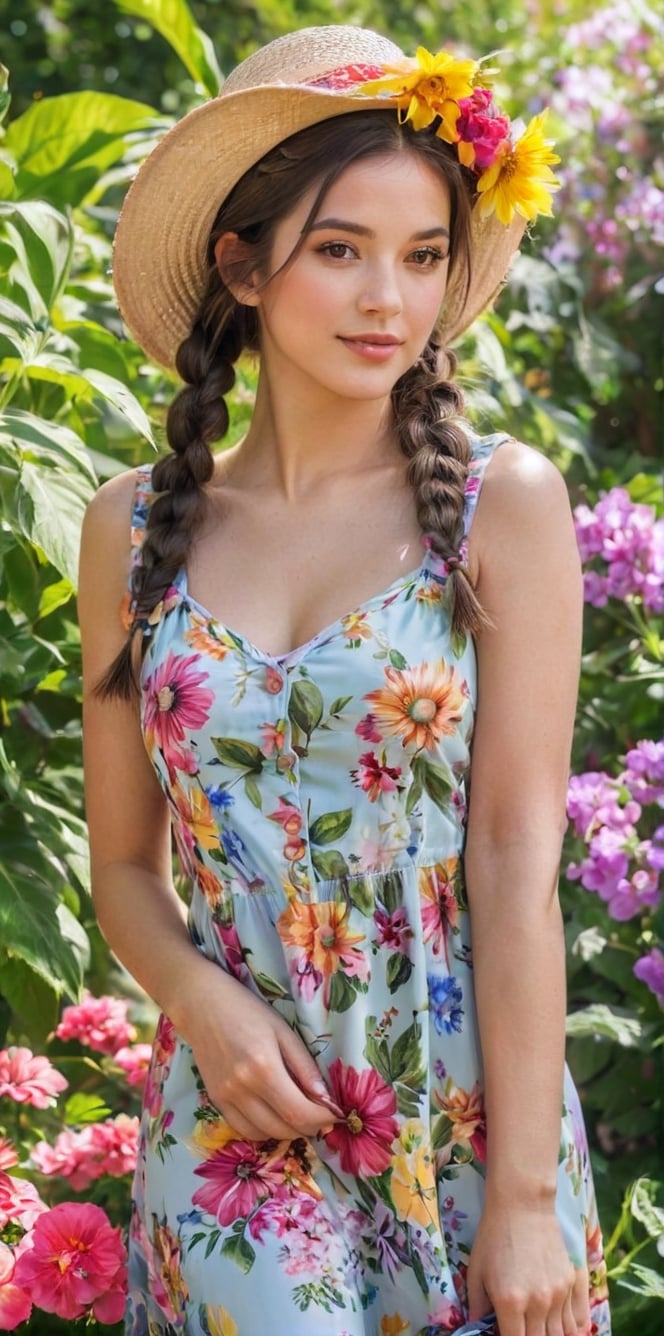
[175, 701]
[273, 737]
[238, 1177]
[364, 1140]
[163, 1048]
[481, 129]
[19, 1201]
[366, 729]
[167, 1284]
[439, 908]
[273, 681]
[99, 1023]
[374, 776]
[15, 1305]
[394, 930]
[284, 1215]
[28, 1079]
[76, 1264]
[287, 816]
[232, 949]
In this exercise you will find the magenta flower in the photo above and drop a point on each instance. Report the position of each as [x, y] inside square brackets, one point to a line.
[481, 128]
[593, 800]
[76, 1264]
[19, 1201]
[630, 541]
[650, 970]
[364, 1140]
[175, 701]
[28, 1079]
[367, 730]
[374, 776]
[394, 930]
[99, 1023]
[15, 1305]
[238, 1177]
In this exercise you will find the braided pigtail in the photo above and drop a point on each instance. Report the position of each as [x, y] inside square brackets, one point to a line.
[197, 417]
[426, 404]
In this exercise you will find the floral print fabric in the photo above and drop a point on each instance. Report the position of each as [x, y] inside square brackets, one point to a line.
[318, 801]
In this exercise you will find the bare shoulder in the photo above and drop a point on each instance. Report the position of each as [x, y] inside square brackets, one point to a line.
[523, 511]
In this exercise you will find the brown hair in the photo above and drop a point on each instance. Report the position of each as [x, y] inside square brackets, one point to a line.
[425, 400]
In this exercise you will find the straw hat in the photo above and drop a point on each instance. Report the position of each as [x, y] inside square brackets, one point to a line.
[159, 258]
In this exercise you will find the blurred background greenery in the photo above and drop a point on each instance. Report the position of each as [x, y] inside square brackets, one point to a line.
[571, 360]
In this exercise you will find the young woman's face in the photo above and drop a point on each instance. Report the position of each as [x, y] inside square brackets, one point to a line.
[356, 306]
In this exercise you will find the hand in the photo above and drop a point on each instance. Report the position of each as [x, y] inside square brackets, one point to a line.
[520, 1268]
[256, 1070]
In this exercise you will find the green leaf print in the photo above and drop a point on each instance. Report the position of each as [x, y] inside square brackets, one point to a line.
[408, 1100]
[330, 826]
[442, 1132]
[414, 794]
[340, 704]
[435, 780]
[212, 1242]
[391, 891]
[376, 1050]
[269, 987]
[240, 1250]
[305, 707]
[418, 1268]
[398, 972]
[342, 993]
[397, 660]
[253, 792]
[407, 1051]
[239, 754]
[360, 893]
[331, 865]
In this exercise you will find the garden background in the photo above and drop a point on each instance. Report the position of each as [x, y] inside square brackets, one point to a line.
[571, 361]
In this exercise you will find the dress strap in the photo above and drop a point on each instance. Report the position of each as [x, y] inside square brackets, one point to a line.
[483, 450]
[143, 492]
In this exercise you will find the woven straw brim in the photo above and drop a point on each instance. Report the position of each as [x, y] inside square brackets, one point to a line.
[160, 252]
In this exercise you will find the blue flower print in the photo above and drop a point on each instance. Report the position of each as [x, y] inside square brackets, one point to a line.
[445, 998]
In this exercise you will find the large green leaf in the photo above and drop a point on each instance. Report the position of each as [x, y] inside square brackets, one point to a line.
[605, 1022]
[51, 441]
[50, 507]
[5, 97]
[43, 243]
[175, 21]
[63, 144]
[29, 921]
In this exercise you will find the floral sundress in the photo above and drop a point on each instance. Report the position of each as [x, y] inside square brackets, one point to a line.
[318, 801]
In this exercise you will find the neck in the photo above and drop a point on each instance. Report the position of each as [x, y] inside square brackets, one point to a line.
[301, 437]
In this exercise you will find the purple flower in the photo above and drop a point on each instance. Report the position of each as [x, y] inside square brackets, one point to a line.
[650, 969]
[644, 775]
[593, 801]
[630, 541]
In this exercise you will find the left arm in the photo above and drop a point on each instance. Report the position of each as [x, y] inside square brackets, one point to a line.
[530, 583]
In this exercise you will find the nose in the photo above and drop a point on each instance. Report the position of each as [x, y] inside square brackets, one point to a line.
[380, 293]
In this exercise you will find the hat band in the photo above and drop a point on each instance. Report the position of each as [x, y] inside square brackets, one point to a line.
[346, 76]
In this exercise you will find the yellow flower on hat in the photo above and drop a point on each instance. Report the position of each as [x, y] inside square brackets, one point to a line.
[520, 180]
[427, 87]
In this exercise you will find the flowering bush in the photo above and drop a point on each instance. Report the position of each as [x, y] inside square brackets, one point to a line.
[58, 1255]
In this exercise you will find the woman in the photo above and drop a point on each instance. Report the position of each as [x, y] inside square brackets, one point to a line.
[351, 1125]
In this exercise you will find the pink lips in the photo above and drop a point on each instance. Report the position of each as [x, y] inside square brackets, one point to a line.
[373, 347]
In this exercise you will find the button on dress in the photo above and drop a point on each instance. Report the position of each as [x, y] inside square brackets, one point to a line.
[318, 802]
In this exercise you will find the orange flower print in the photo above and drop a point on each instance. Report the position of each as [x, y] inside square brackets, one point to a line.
[195, 812]
[273, 681]
[439, 907]
[356, 627]
[204, 638]
[465, 1111]
[419, 704]
[208, 883]
[394, 1325]
[320, 937]
[273, 737]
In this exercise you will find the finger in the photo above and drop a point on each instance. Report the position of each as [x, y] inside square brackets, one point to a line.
[243, 1128]
[570, 1324]
[304, 1070]
[479, 1303]
[511, 1319]
[293, 1106]
[581, 1301]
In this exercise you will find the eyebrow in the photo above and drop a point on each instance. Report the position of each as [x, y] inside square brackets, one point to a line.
[341, 225]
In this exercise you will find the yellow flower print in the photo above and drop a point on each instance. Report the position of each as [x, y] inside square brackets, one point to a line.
[211, 1135]
[394, 1325]
[220, 1322]
[427, 87]
[419, 704]
[355, 626]
[413, 1183]
[204, 637]
[196, 814]
[520, 180]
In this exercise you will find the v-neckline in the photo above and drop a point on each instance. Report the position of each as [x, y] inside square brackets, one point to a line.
[326, 632]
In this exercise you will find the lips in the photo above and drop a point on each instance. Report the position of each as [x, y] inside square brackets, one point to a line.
[373, 340]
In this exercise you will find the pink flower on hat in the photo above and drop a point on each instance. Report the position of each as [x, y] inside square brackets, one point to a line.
[28, 1079]
[481, 128]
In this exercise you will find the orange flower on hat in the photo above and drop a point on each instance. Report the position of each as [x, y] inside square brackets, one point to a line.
[427, 87]
[419, 704]
[520, 180]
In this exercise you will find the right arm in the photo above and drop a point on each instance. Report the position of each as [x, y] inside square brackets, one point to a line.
[256, 1070]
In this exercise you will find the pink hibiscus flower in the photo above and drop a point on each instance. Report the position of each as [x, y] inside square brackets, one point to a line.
[174, 702]
[375, 777]
[99, 1023]
[76, 1263]
[28, 1079]
[8, 1154]
[15, 1305]
[238, 1177]
[19, 1201]
[364, 1141]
